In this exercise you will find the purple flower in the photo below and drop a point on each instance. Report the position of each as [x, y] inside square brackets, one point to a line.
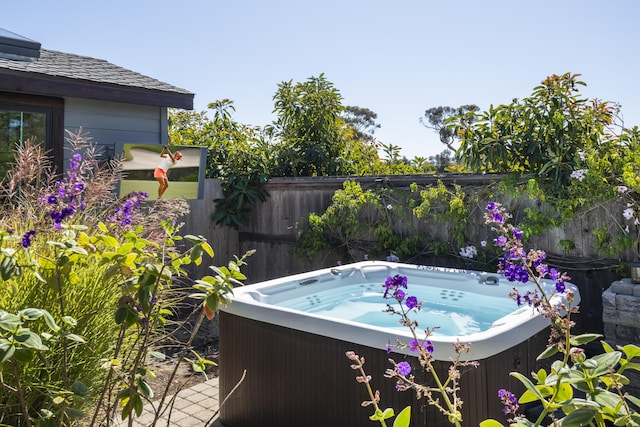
[404, 368]
[388, 347]
[413, 346]
[26, 239]
[52, 200]
[517, 233]
[77, 157]
[412, 302]
[399, 295]
[491, 206]
[428, 345]
[500, 241]
[560, 288]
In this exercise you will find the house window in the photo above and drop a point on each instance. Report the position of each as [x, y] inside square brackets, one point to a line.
[23, 117]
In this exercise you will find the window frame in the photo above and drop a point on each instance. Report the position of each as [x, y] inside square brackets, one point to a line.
[53, 108]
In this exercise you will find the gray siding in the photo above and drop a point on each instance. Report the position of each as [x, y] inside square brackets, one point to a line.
[110, 122]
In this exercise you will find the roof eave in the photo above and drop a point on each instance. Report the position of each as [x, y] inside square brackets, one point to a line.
[35, 84]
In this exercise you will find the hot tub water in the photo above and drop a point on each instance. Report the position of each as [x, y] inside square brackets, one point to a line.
[454, 312]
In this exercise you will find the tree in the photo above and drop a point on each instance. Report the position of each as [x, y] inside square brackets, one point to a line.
[310, 130]
[436, 119]
[544, 134]
[442, 161]
[237, 154]
[362, 121]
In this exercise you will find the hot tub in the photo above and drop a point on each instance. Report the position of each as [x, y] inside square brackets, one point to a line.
[291, 334]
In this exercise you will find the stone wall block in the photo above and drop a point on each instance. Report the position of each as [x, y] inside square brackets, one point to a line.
[627, 303]
[624, 286]
[608, 300]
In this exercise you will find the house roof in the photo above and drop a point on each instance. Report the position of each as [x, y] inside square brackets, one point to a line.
[62, 74]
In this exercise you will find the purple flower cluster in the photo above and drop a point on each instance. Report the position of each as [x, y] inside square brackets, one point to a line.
[67, 199]
[514, 272]
[393, 284]
[393, 288]
[124, 213]
[517, 265]
[510, 402]
[414, 346]
[26, 238]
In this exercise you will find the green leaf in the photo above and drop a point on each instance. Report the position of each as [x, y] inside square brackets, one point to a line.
[6, 351]
[49, 320]
[74, 413]
[579, 417]
[607, 398]
[30, 339]
[30, 313]
[109, 241]
[79, 389]
[9, 321]
[491, 423]
[548, 352]
[528, 384]
[120, 315]
[23, 355]
[605, 361]
[208, 249]
[158, 355]
[73, 337]
[404, 418]
[7, 267]
[195, 239]
[631, 351]
[125, 249]
[565, 392]
[145, 389]
[633, 400]
[584, 339]
[137, 404]
[196, 254]
[529, 396]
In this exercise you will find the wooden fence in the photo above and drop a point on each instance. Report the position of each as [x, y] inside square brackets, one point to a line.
[275, 225]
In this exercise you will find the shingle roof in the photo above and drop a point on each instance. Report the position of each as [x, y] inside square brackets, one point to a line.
[60, 64]
[69, 69]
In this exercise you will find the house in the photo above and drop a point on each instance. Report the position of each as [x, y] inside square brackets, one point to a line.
[43, 92]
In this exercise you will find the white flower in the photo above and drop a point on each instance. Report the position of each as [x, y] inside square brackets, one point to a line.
[622, 189]
[628, 213]
[468, 252]
[389, 207]
[483, 243]
[578, 174]
[581, 154]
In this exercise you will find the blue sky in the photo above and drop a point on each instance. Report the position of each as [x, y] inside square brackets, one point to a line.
[395, 58]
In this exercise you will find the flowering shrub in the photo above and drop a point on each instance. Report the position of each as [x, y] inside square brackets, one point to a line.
[444, 394]
[577, 390]
[88, 295]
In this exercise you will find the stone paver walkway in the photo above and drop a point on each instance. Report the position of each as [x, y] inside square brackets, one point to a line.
[193, 407]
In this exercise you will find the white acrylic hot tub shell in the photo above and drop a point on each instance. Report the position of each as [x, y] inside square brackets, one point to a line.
[256, 302]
